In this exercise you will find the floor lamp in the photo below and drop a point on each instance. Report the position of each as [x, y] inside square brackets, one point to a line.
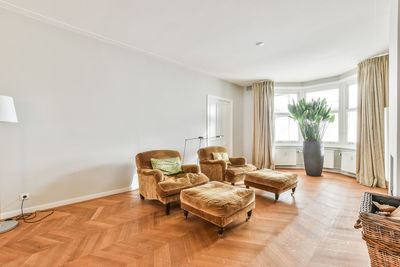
[7, 114]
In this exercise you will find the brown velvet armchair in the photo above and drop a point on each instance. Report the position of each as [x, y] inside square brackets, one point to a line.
[153, 184]
[219, 170]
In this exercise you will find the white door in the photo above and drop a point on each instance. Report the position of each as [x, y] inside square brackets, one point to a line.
[219, 122]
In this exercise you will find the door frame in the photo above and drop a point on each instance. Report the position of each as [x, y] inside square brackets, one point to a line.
[230, 103]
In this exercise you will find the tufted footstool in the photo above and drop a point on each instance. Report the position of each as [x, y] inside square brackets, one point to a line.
[218, 203]
[271, 181]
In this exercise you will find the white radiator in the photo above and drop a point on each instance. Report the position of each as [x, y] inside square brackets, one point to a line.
[349, 162]
[285, 157]
[329, 159]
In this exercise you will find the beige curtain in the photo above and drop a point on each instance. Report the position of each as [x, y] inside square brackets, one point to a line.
[373, 79]
[263, 124]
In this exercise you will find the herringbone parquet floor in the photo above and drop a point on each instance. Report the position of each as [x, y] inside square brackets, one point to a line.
[313, 229]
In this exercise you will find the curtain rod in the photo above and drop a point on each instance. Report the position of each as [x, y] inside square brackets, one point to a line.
[261, 81]
[380, 55]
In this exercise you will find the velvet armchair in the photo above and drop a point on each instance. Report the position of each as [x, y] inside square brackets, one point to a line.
[153, 184]
[220, 170]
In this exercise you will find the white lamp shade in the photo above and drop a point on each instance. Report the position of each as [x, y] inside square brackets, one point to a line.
[7, 109]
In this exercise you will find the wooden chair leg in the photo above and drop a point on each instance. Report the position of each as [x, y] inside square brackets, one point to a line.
[141, 197]
[167, 207]
[220, 231]
[185, 212]
[276, 196]
[249, 215]
[293, 190]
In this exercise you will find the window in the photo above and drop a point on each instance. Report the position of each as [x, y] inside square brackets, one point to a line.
[342, 97]
[286, 129]
[351, 112]
[282, 101]
[332, 99]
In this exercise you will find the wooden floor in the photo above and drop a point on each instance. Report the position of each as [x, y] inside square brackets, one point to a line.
[315, 228]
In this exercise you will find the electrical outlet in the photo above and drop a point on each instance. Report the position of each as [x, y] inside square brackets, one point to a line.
[24, 196]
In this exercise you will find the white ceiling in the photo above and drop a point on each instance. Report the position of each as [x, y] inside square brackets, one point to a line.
[304, 39]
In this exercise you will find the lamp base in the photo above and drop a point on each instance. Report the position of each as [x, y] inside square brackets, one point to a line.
[7, 226]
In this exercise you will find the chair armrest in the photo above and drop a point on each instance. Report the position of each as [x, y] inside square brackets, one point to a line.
[191, 168]
[238, 161]
[157, 174]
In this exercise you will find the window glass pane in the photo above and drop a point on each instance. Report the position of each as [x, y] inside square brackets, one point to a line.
[352, 126]
[332, 132]
[353, 96]
[282, 101]
[332, 97]
[286, 129]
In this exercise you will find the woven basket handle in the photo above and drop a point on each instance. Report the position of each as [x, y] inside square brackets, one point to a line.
[358, 224]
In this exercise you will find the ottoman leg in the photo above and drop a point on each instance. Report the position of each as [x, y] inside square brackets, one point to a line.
[293, 190]
[276, 196]
[141, 197]
[247, 186]
[220, 231]
[185, 212]
[232, 183]
[167, 206]
[249, 215]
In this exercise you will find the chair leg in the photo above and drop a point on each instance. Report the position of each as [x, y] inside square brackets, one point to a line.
[249, 215]
[167, 207]
[185, 212]
[293, 190]
[276, 196]
[220, 231]
[141, 197]
[232, 183]
[247, 186]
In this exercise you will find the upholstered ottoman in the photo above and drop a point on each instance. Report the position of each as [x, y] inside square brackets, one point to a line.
[272, 181]
[218, 203]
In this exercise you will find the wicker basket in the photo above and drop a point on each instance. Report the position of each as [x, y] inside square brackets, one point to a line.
[382, 234]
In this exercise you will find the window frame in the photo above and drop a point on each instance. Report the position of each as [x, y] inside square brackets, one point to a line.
[301, 90]
[332, 111]
[286, 114]
[348, 109]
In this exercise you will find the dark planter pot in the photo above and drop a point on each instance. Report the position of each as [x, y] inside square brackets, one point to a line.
[313, 153]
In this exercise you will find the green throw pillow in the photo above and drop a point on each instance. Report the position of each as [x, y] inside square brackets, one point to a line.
[221, 156]
[168, 166]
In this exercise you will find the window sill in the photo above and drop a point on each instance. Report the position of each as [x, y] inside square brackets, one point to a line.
[326, 145]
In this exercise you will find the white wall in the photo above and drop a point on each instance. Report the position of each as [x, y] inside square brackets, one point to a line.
[394, 100]
[86, 108]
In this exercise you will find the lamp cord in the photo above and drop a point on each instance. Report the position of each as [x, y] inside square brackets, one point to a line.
[28, 217]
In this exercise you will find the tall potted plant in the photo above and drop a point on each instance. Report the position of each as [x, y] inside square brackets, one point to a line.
[313, 118]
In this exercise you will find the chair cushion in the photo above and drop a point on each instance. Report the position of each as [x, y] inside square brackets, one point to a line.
[206, 152]
[272, 178]
[217, 198]
[221, 156]
[233, 170]
[175, 183]
[143, 160]
[170, 166]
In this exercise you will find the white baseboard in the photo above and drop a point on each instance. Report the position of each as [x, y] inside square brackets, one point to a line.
[12, 213]
[353, 175]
